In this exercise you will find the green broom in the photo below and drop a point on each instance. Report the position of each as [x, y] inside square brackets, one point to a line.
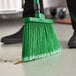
[39, 38]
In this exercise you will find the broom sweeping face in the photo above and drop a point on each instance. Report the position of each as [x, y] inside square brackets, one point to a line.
[39, 37]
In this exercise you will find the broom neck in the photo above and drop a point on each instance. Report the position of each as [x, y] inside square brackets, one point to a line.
[37, 9]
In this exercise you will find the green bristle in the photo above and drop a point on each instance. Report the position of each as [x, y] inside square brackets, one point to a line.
[39, 40]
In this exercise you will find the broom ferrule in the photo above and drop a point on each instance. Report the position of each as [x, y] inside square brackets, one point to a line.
[40, 16]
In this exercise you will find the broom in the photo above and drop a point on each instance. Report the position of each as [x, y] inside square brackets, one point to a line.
[39, 38]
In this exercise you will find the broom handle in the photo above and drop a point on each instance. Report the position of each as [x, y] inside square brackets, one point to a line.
[36, 6]
[37, 9]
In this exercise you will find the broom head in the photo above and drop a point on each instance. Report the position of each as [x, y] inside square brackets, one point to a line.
[39, 39]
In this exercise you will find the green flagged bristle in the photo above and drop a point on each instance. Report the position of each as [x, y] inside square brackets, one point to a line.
[39, 40]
